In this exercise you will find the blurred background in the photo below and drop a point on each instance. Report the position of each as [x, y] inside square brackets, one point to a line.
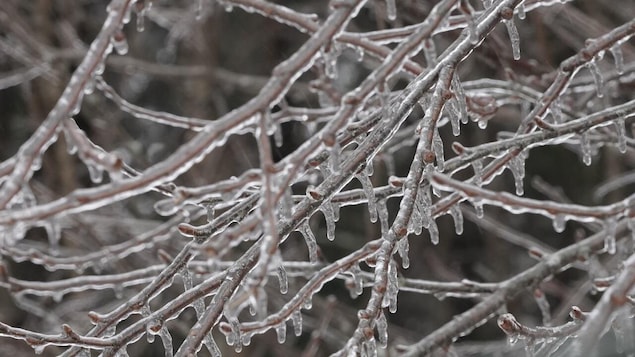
[205, 63]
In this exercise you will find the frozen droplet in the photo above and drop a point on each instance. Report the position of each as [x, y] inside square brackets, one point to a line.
[487, 3]
[457, 216]
[618, 57]
[246, 339]
[382, 329]
[296, 318]
[585, 142]
[369, 192]
[89, 86]
[95, 172]
[281, 332]
[166, 207]
[329, 217]
[308, 304]
[620, 129]
[514, 37]
[391, 10]
[403, 248]
[559, 223]
[120, 43]
[597, 77]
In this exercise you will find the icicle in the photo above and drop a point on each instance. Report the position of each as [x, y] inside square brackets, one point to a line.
[71, 147]
[142, 9]
[459, 99]
[434, 231]
[277, 136]
[585, 143]
[354, 283]
[477, 166]
[517, 166]
[369, 348]
[285, 208]
[403, 247]
[282, 279]
[329, 217]
[556, 111]
[457, 216]
[559, 223]
[330, 63]
[334, 158]
[514, 37]
[597, 77]
[199, 9]
[521, 11]
[296, 318]
[120, 43]
[624, 329]
[89, 86]
[391, 10]
[311, 243]
[468, 11]
[54, 233]
[620, 129]
[336, 211]
[166, 207]
[437, 147]
[478, 207]
[390, 298]
[281, 332]
[95, 172]
[382, 329]
[382, 213]
[616, 51]
[166, 339]
[610, 243]
[430, 52]
[543, 305]
[369, 192]
[246, 339]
